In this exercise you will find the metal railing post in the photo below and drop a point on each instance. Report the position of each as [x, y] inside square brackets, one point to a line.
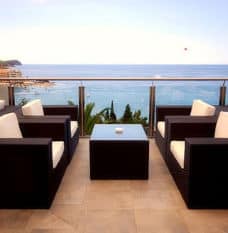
[151, 110]
[81, 109]
[222, 95]
[11, 95]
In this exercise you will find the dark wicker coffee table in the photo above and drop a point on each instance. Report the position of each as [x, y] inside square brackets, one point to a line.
[119, 155]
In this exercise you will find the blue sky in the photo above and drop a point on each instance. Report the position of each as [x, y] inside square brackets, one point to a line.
[114, 31]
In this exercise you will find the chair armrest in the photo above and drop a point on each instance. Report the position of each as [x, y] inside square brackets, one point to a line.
[9, 109]
[220, 108]
[53, 127]
[164, 110]
[72, 111]
[189, 126]
[205, 156]
[25, 164]
[26, 147]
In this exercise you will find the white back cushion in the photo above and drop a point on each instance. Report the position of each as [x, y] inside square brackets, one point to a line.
[177, 148]
[2, 104]
[33, 108]
[57, 152]
[200, 108]
[221, 129]
[9, 127]
[161, 128]
[73, 127]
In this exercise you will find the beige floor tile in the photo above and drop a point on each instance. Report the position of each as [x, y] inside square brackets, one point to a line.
[108, 200]
[13, 231]
[78, 178]
[74, 197]
[109, 221]
[73, 182]
[46, 220]
[156, 199]
[14, 219]
[153, 184]
[53, 231]
[108, 186]
[71, 191]
[70, 214]
[206, 221]
[159, 221]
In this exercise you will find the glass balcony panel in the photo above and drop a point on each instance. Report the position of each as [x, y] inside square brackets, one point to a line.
[59, 93]
[136, 94]
[184, 92]
[102, 93]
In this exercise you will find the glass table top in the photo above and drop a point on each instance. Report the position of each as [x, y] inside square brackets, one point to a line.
[125, 132]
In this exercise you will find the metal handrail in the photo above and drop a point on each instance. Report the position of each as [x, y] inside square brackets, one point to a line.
[115, 79]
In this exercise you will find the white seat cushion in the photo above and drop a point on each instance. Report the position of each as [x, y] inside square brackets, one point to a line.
[221, 129]
[73, 127]
[200, 108]
[177, 148]
[2, 104]
[57, 152]
[33, 108]
[161, 128]
[9, 127]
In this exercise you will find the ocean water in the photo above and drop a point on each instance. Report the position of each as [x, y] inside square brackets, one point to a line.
[135, 93]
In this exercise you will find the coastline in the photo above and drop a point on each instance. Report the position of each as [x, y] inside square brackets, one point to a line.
[10, 72]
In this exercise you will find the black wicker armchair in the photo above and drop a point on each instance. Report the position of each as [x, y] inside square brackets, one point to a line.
[71, 111]
[31, 167]
[200, 173]
[162, 112]
[57, 111]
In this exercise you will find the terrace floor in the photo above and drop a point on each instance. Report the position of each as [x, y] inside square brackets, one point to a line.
[113, 206]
